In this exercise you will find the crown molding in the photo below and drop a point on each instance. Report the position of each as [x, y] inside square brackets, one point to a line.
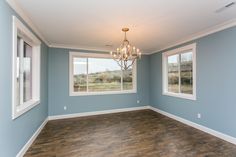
[72, 47]
[208, 31]
[87, 48]
[15, 6]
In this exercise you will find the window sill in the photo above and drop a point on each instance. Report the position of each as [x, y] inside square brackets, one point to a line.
[183, 96]
[102, 93]
[24, 108]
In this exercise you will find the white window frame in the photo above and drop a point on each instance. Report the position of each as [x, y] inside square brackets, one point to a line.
[165, 55]
[19, 29]
[97, 55]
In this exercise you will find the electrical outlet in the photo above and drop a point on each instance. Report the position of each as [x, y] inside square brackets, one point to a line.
[65, 108]
[138, 101]
[199, 115]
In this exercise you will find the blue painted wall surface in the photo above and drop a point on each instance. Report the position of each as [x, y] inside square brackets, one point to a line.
[59, 88]
[15, 133]
[216, 87]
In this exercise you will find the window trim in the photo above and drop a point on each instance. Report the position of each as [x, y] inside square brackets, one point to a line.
[96, 55]
[165, 55]
[19, 29]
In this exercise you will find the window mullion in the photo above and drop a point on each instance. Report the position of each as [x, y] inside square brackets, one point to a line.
[179, 73]
[87, 74]
[121, 79]
[21, 71]
[166, 85]
[133, 71]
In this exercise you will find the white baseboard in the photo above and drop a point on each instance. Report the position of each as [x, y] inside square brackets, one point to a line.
[31, 140]
[83, 114]
[197, 126]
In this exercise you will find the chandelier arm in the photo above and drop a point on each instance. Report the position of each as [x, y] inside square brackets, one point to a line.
[126, 53]
[118, 62]
[125, 64]
[131, 64]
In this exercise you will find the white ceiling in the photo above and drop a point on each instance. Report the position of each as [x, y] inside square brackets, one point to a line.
[154, 24]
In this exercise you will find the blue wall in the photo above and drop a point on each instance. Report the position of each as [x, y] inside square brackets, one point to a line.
[15, 133]
[216, 87]
[58, 88]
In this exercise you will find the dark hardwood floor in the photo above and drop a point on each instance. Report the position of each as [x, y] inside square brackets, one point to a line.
[129, 134]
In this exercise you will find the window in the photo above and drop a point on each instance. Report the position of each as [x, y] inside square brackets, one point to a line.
[179, 72]
[26, 69]
[99, 74]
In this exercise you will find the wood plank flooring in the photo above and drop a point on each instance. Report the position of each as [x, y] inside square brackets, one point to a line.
[130, 134]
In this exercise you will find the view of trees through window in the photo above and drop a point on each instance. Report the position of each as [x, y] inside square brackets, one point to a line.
[80, 74]
[100, 75]
[127, 79]
[186, 73]
[103, 75]
[173, 73]
[180, 73]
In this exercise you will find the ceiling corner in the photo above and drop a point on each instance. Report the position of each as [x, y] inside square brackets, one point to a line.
[16, 7]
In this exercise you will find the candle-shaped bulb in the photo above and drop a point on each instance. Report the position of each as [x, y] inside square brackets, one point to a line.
[139, 54]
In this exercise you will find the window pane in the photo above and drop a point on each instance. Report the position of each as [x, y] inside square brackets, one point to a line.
[128, 79]
[80, 74]
[27, 73]
[186, 73]
[173, 73]
[18, 72]
[103, 75]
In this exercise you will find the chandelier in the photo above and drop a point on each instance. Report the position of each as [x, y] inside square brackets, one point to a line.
[126, 55]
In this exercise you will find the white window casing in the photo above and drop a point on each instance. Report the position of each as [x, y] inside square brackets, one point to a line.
[97, 55]
[165, 55]
[20, 30]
